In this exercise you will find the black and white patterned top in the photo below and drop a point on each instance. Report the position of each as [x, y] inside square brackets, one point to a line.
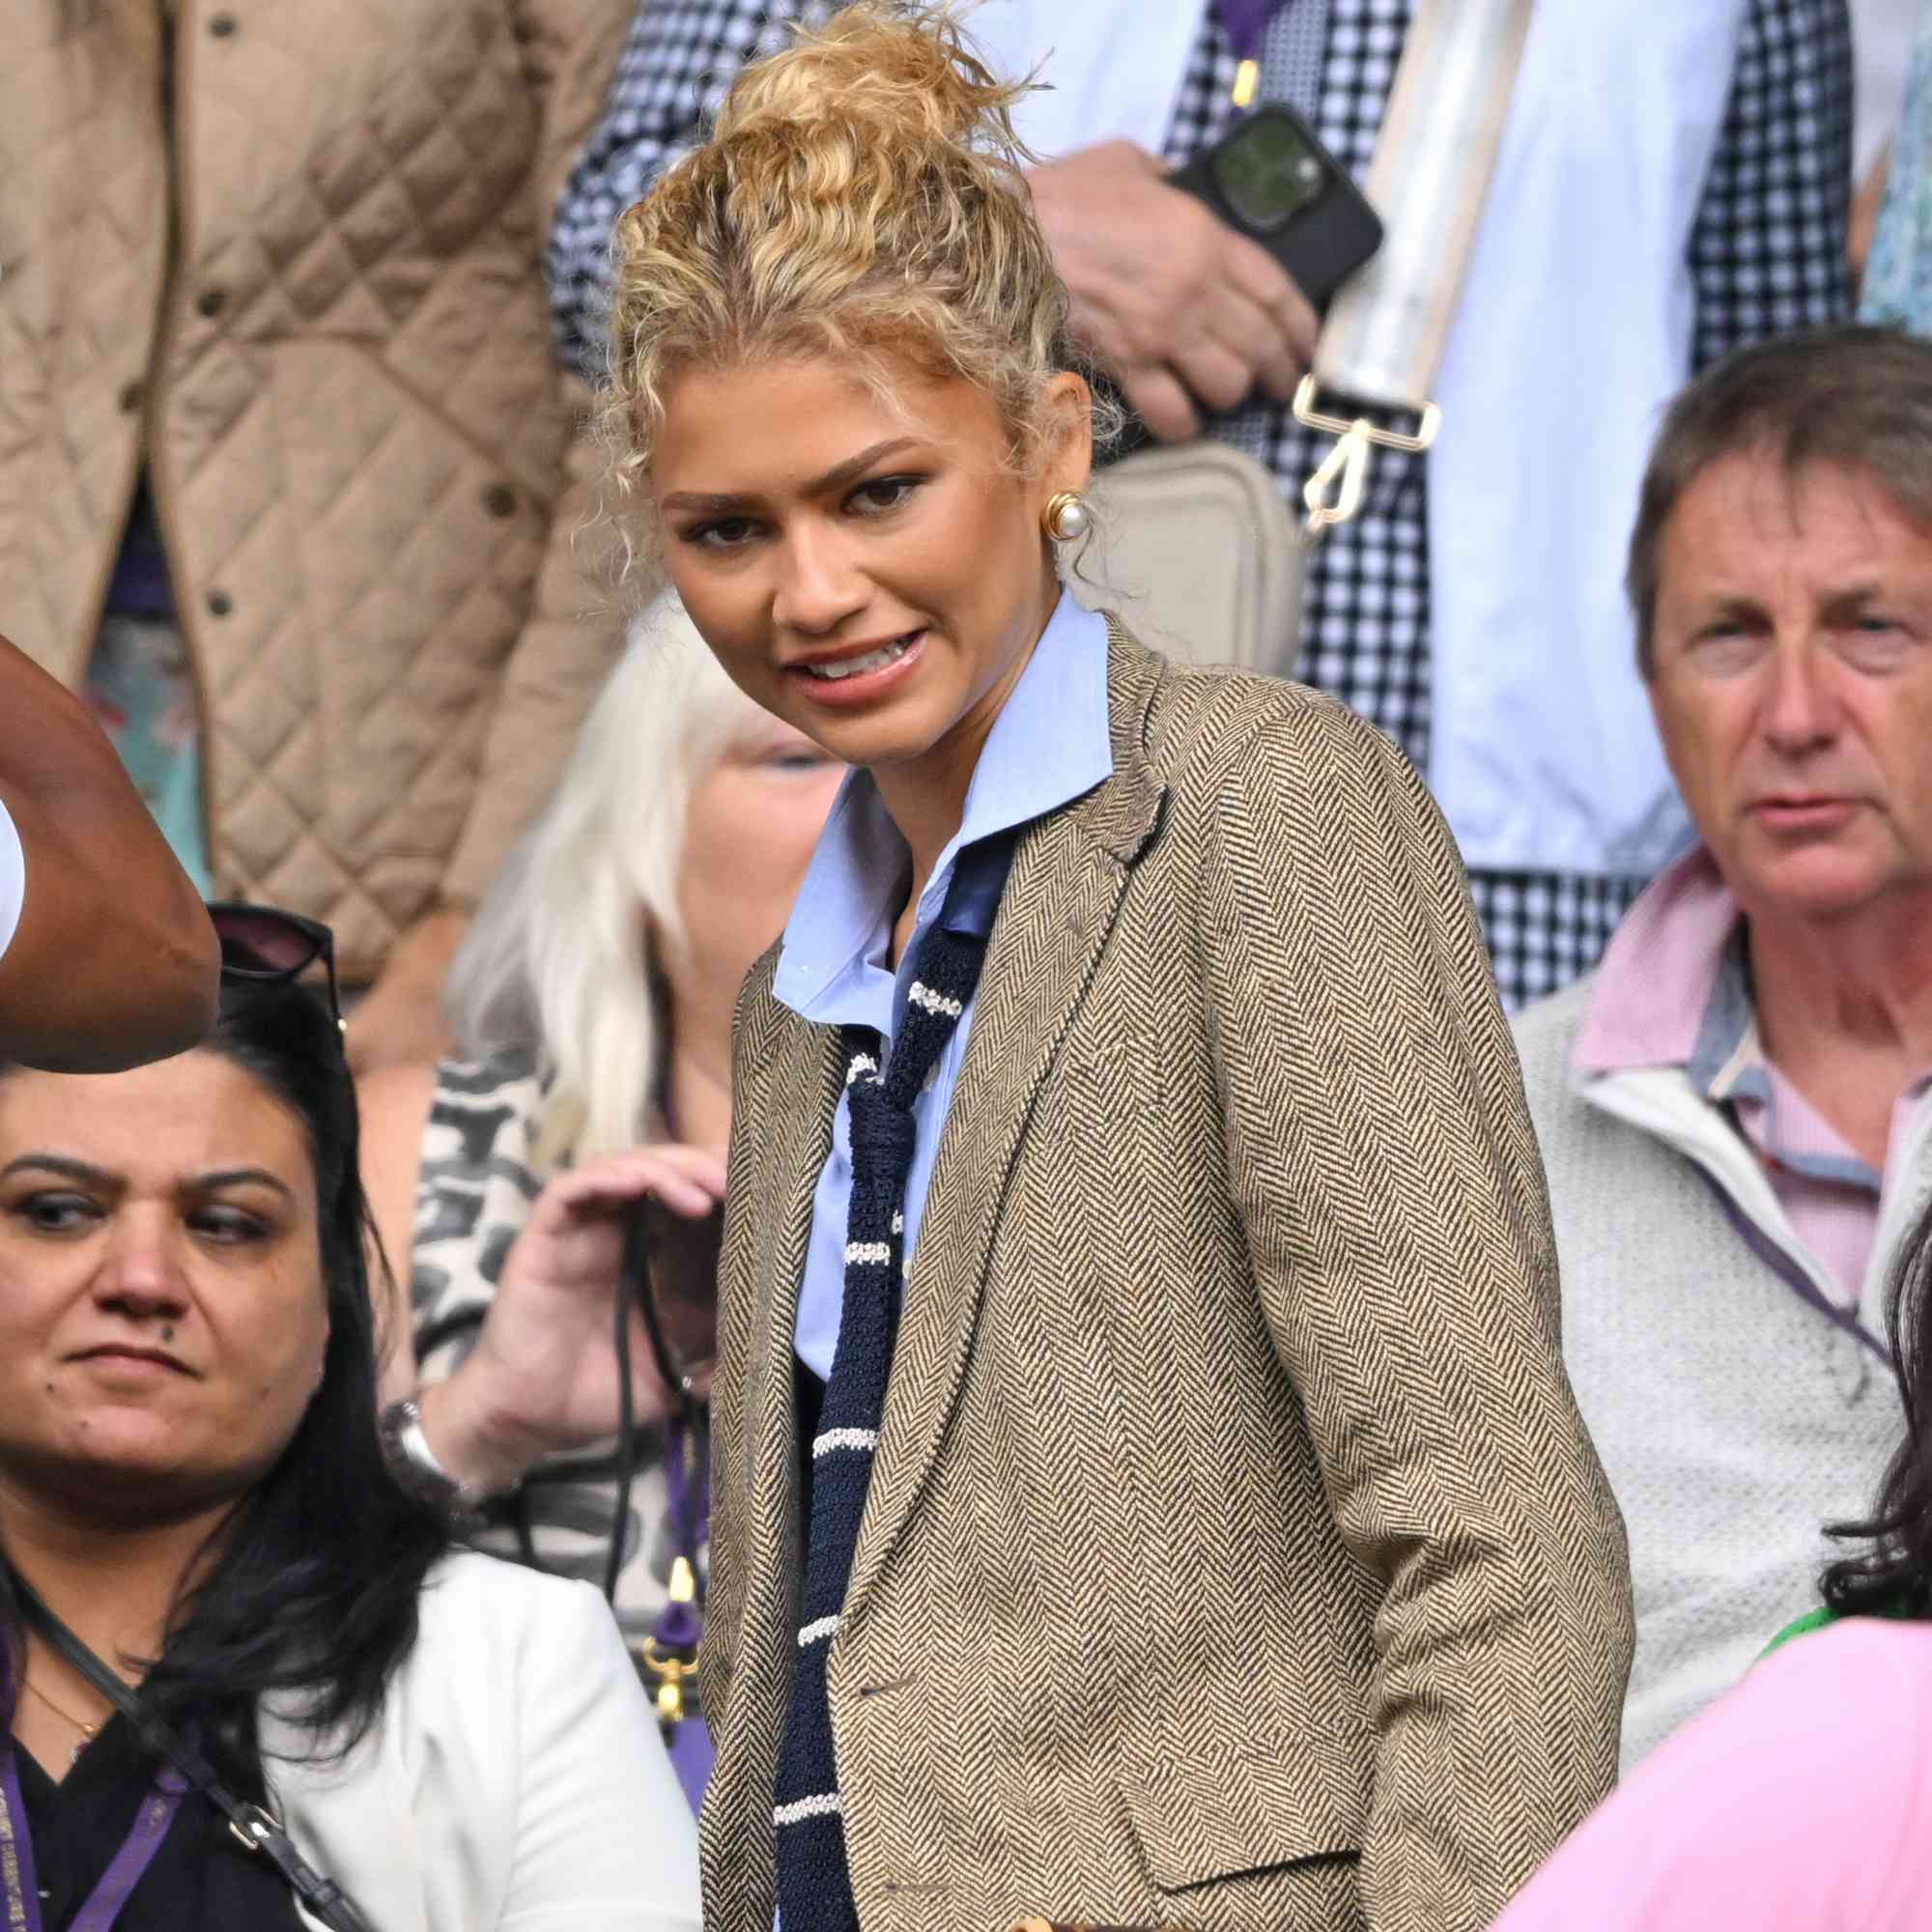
[1766, 254]
[478, 1175]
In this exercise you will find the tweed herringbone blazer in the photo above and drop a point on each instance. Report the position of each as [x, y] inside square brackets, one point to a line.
[1234, 1556]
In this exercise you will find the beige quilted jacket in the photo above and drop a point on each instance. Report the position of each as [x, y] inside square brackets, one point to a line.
[314, 308]
[1235, 1558]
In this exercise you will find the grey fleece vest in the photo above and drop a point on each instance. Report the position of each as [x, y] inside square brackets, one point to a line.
[1734, 1420]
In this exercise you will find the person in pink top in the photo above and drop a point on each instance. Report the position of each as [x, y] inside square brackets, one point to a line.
[1802, 1800]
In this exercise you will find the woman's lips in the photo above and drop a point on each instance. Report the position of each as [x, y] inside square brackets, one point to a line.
[859, 687]
[139, 1362]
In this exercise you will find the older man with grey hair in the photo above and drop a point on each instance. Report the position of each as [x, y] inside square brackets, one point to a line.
[1734, 1109]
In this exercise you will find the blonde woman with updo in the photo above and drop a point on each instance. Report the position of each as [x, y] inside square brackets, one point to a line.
[1146, 1489]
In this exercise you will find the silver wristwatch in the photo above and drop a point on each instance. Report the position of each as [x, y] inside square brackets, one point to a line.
[414, 1465]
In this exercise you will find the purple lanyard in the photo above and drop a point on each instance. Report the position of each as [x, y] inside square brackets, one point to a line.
[21, 1884]
[688, 1479]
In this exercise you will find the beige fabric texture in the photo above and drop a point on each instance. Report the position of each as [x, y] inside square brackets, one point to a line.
[1235, 1556]
[341, 376]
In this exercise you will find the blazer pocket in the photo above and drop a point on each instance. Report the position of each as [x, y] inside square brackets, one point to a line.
[1207, 1812]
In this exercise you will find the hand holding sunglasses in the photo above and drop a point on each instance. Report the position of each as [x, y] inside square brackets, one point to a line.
[545, 1374]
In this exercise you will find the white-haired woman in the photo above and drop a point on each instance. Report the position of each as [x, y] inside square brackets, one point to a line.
[592, 1003]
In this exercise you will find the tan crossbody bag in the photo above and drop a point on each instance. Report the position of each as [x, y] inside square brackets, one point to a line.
[1195, 545]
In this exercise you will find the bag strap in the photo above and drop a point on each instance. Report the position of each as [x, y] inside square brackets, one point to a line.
[320, 1899]
[1384, 339]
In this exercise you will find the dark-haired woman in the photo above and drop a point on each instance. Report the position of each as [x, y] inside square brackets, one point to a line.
[1802, 1801]
[191, 1480]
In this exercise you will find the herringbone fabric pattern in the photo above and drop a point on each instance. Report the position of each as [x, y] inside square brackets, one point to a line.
[341, 379]
[1234, 1556]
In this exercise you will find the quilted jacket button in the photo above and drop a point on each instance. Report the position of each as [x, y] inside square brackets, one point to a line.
[219, 603]
[501, 500]
[212, 301]
[132, 395]
[222, 25]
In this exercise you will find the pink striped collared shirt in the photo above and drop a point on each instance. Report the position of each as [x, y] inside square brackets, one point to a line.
[1673, 990]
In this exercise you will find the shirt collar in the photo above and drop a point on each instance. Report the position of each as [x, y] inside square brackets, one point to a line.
[1674, 990]
[1727, 1059]
[1653, 990]
[1051, 744]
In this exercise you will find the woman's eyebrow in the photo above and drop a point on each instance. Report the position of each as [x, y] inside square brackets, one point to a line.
[836, 479]
[61, 1164]
[91, 1175]
[241, 1176]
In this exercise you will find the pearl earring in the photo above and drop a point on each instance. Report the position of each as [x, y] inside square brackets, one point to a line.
[1066, 517]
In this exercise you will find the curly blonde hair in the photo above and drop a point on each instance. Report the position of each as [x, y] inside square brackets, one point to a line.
[861, 195]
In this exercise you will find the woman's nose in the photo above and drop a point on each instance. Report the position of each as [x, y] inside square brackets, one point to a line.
[821, 585]
[140, 1273]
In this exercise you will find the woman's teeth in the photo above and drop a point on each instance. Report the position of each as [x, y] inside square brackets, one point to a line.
[876, 660]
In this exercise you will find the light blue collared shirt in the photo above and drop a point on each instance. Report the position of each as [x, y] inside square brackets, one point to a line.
[1049, 745]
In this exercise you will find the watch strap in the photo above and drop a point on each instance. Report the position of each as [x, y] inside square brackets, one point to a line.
[414, 1465]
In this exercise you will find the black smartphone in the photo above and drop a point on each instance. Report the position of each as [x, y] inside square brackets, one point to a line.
[1270, 179]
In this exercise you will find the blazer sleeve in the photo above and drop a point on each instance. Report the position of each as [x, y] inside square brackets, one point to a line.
[1386, 1172]
[604, 1840]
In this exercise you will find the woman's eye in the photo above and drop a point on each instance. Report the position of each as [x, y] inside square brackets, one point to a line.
[798, 761]
[227, 1224]
[884, 492]
[57, 1214]
[723, 533]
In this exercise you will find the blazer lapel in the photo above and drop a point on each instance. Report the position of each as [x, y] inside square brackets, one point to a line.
[805, 1096]
[1069, 874]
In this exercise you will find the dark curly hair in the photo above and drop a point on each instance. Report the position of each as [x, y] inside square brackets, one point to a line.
[1892, 1576]
[313, 1590]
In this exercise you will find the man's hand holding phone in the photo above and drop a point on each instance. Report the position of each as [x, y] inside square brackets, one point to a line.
[1181, 310]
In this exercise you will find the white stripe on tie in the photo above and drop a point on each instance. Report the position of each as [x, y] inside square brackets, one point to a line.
[826, 1806]
[836, 1439]
[861, 1064]
[867, 1251]
[933, 1002]
[817, 1632]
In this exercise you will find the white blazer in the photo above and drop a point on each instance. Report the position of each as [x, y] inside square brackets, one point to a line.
[516, 1778]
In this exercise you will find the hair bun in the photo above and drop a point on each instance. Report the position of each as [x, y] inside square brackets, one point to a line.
[901, 72]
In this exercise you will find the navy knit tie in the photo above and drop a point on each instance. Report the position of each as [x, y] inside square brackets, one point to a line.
[814, 1881]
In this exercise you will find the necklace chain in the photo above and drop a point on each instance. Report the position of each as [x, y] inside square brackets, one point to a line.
[86, 1730]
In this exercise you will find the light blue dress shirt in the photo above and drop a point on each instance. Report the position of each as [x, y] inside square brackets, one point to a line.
[1049, 745]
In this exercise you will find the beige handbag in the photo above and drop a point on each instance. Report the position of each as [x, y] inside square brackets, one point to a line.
[1196, 549]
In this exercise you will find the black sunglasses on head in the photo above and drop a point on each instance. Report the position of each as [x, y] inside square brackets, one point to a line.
[265, 944]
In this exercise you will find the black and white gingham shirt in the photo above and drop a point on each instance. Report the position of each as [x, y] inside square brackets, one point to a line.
[1766, 254]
